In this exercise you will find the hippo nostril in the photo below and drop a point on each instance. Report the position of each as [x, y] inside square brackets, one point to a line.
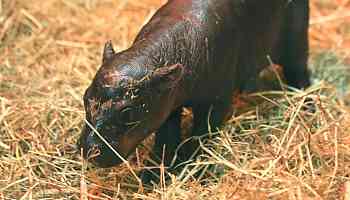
[93, 151]
[88, 145]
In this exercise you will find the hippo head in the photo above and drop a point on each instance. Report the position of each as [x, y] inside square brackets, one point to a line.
[124, 104]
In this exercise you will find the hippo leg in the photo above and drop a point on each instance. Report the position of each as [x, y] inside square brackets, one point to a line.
[208, 118]
[167, 140]
[211, 115]
[295, 46]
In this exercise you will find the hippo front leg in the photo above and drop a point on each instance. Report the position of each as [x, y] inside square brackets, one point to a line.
[211, 116]
[208, 117]
[168, 137]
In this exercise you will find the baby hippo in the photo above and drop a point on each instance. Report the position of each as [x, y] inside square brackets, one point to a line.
[192, 53]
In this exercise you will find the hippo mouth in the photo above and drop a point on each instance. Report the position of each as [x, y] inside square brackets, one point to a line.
[102, 152]
[103, 156]
[108, 150]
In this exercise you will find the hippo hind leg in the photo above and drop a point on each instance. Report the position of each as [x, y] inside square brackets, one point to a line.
[294, 51]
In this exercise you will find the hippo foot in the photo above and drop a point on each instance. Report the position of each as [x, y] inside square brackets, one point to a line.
[149, 177]
[153, 176]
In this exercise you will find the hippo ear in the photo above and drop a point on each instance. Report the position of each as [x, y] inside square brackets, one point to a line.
[108, 51]
[167, 77]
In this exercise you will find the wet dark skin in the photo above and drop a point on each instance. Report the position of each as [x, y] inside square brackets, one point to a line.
[193, 53]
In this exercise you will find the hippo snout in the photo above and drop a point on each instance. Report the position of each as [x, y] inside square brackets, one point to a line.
[96, 151]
